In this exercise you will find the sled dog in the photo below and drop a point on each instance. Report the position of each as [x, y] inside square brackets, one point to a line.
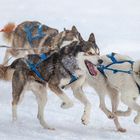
[118, 74]
[35, 38]
[123, 75]
[33, 73]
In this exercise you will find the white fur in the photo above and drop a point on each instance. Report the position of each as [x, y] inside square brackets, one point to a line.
[78, 92]
[41, 96]
[65, 43]
[124, 83]
[102, 88]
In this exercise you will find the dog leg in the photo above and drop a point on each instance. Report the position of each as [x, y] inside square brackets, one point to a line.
[103, 107]
[114, 95]
[137, 118]
[124, 113]
[41, 96]
[79, 94]
[67, 103]
[133, 105]
[18, 84]
[130, 100]
[16, 100]
[115, 102]
[14, 111]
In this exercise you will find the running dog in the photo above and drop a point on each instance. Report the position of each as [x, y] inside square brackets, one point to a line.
[36, 38]
[123, 75]
[98, 81]
[33, 73]
[117, 74]
[85, 118]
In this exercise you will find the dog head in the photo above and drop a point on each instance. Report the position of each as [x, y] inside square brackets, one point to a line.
[69, 36]
[90, 47]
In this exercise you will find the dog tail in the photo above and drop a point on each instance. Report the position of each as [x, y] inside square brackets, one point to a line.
[136, 72]
[8, 32]
[6, 73]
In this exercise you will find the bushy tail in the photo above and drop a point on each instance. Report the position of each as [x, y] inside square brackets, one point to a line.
[8, 32]
[6, 73]
[136, 72]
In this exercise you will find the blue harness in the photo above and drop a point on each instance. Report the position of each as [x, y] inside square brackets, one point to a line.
[33, 67]
[73, 78]
[29, 28]
[102, 68]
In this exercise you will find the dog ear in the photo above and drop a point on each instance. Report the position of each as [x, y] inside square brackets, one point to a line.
[65, 29]
[80, 37]
[91, 38]
[74, 29]
[63, 34]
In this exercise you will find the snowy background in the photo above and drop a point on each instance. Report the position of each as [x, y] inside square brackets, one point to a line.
[116, 25]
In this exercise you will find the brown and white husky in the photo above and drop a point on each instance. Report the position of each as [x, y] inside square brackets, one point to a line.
[36, 38]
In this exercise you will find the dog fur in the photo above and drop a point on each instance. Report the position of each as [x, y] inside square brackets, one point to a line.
[126, 84]
[99, 82]
[53, 77]
[115, 84]
[17, 38]
[85, 118]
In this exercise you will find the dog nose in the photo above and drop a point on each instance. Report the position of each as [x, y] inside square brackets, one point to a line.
[100, 61]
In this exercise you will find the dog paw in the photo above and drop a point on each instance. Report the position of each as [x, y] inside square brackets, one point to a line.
[48, 127]
[66, 105]
[122, 130]
[14, 119]
[85, 120]
[111, 115]
[137, 120]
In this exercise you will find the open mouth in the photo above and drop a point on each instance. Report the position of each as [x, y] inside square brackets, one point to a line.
[91, 68]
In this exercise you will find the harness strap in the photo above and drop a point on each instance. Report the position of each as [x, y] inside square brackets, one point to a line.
[112, 57]
[73, 79]
[73, 76]
[101, 68]
[29, 28]
[33, 66]
[43, 57]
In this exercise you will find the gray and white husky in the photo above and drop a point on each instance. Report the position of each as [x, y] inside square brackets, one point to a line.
[55, 72]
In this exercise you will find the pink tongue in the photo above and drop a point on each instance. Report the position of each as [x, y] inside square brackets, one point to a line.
[91, 68]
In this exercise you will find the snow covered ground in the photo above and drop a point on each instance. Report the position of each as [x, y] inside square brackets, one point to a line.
[116, 24]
